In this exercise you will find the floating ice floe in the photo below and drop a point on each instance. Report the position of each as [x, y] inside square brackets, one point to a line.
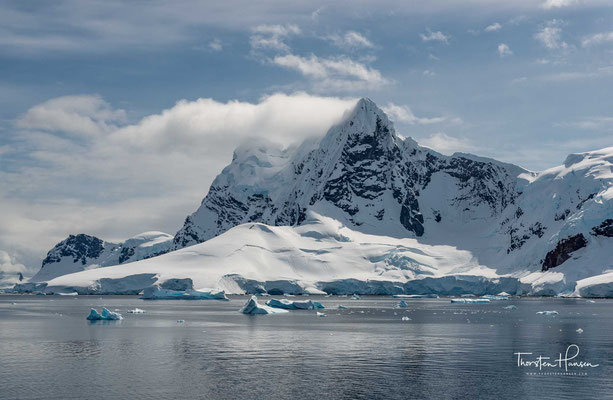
[294, 305]
[495, 297]
[402, 304]
[253, 307]
[320, 314]
[355, 297]
[105, 316]
[511, 307]
[547, 313]
[415, 296]
[341, 307]
[579, 330]
[157, 293]
[590, 301]
[406, 318]
[136, 311]
[470, 300]
[180, 321]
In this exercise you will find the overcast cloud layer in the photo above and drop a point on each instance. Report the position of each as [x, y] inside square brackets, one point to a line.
[116, 117]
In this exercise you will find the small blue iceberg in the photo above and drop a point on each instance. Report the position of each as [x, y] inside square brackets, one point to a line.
[105, 316]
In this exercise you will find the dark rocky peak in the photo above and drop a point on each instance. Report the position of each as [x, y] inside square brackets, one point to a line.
[79, 247]
[364, 123]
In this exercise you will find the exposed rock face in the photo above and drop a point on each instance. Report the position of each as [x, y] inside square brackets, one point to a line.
[604, 229]
[563, 251]
[361, 172]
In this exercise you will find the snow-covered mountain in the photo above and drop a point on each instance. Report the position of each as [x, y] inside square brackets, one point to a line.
[544, 231]
[80, 252]
[361, 173]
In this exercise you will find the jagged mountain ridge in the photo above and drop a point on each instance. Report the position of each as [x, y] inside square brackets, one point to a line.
[361, 172]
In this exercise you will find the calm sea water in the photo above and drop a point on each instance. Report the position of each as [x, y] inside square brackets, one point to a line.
[446, 351]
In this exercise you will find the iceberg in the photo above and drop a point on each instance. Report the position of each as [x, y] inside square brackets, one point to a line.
[355, 297]
[547, 313]
[320, 314]
[157, 293]
[294, 305]
[341, 307]
[252, 307]
[136, 311]
[470, 300]
[579, 330]
[511, 307]
[105, 316]
[402, 304]
[405, 318]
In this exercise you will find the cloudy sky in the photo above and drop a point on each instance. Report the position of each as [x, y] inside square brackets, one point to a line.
[116, 116]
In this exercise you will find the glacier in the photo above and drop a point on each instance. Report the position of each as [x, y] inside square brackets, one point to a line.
[364, 210]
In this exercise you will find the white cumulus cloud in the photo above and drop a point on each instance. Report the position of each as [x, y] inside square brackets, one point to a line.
[550, 35]
[79, 115]
[504, 50]
[434, 36]
[333, 73]
[350, 40]
[493, 27]
[403, 113]
[549, 4]
[272, 36]
[215, 45]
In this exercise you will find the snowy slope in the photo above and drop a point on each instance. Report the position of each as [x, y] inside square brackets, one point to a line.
[80, 252]
[319, 255]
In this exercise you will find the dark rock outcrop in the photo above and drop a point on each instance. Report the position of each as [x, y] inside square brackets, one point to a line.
[604, 229]
[563, 251]
[79, 247]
